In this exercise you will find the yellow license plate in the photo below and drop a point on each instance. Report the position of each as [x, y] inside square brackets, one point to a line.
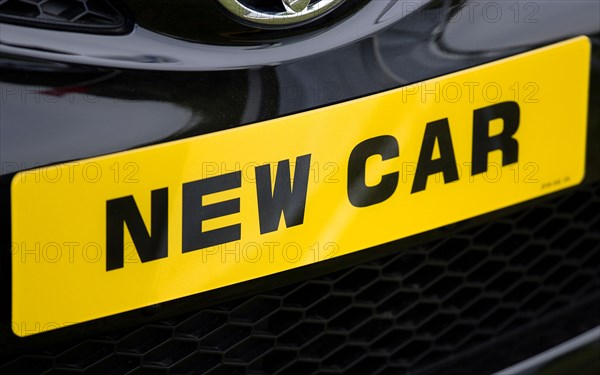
[114, 233]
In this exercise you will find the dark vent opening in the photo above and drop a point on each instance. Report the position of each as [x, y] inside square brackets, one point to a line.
[415, 310]
[95, 16]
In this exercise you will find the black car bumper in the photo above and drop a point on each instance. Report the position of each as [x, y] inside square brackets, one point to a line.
[519, 281]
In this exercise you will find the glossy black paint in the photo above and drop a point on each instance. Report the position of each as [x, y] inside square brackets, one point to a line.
[209, 22]
[68, 96]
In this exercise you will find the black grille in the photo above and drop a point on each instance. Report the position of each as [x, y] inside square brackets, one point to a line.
[403, 313]
[80, 15]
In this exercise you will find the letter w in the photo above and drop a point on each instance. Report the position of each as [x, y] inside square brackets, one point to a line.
[283, 197]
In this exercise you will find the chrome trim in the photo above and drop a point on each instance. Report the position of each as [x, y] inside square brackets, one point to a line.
[531, 365]
[296, 11]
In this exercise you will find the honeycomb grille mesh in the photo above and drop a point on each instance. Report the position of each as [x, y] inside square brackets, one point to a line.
[398, 314]
[68, 14]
